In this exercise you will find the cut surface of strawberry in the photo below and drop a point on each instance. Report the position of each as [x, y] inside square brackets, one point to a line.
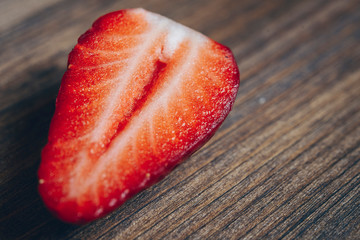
[141, 93]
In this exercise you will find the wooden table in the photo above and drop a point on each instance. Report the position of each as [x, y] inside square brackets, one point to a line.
[285, 163]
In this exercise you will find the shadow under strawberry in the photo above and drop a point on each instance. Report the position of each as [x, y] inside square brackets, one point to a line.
[24, 129]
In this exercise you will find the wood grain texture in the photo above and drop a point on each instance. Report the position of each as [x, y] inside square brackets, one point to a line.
[285, 164]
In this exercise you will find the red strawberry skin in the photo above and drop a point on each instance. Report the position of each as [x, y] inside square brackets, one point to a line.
[141, 94]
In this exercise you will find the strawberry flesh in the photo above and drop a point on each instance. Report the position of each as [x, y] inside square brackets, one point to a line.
[141, 93]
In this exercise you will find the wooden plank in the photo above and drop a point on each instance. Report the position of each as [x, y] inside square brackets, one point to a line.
[285, 163]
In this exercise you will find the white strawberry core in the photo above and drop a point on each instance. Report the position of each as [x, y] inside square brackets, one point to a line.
[175, 35]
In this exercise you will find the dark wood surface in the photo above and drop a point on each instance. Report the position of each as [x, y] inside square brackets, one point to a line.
[285, 163]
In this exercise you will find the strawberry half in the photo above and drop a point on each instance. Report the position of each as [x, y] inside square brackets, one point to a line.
[141, 93]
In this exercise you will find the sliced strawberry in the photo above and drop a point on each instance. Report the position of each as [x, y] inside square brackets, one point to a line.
[141, 94]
